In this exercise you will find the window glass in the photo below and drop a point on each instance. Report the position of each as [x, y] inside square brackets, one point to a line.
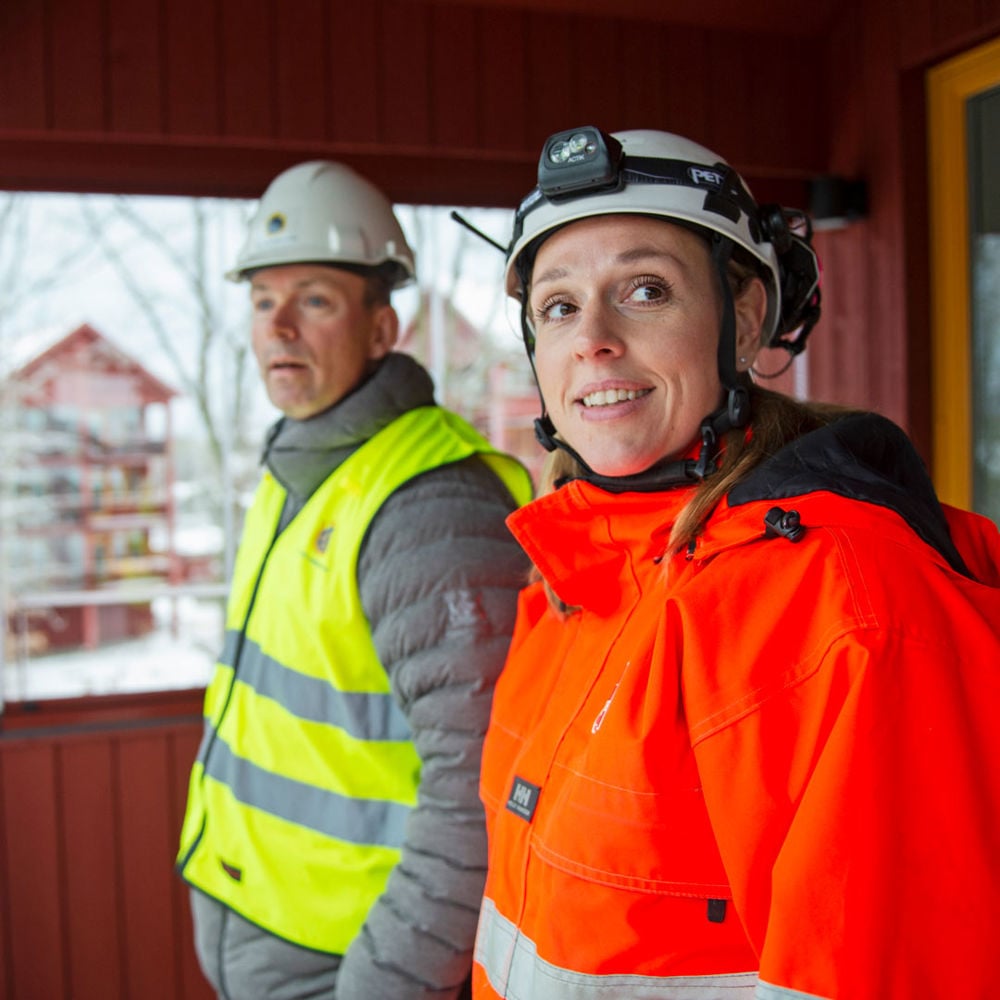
[132, 419]
[984, 204]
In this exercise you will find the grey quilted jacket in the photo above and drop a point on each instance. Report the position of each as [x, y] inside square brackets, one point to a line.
[439, 576]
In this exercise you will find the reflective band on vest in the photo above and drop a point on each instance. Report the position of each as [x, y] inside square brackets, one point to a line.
[306, 773]
[512, 968]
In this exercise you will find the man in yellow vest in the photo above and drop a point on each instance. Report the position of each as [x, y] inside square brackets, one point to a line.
[334, 840]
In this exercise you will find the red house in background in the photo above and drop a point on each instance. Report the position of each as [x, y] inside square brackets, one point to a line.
[92, 480]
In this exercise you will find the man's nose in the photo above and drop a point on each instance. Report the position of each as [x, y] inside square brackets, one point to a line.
[283, 323]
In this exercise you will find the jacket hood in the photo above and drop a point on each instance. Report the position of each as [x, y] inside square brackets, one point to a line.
[862, 457]
[576, 535]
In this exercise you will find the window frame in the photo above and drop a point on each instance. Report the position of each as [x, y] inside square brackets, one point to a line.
[949, 88]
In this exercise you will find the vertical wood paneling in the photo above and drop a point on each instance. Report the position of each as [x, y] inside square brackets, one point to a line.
[956, 17]
[6, 916]
[248, 90]
[148, 846]
[353, 71]
[192, 67]
[454, 85]
[685, 58]
[90, 906]
[884, 355]
[89, 843]
[597, 71]
[502, 80]
[404, 96]
[134, 66]
[789, 105]
[300, 76]
[23, 78]
[76, 67]
[552, 104]
[916, 264]
[831, 345]
[734, 112]
[32, 896]
[182, 749]
[916, 30]
[644, 89]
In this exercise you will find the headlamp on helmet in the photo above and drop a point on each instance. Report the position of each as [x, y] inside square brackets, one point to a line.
[584, 172]
[584, 159]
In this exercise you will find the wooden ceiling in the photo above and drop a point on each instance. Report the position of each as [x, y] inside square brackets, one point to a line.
[780, 17]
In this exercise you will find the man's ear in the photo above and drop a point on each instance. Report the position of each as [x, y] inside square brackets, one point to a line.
[385, 332]
[751, 311]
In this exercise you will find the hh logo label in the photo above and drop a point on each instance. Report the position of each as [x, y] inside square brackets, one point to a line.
[523, 798]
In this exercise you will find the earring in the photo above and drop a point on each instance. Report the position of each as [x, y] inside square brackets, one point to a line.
[743, 360]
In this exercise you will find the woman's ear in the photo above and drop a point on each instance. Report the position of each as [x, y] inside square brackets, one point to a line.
[751, 311]
[384, 333]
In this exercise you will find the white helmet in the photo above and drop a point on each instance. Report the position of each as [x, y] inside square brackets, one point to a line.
[585, 172]
[323, 212]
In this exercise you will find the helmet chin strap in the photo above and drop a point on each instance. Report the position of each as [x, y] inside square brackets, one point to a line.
[667, 473]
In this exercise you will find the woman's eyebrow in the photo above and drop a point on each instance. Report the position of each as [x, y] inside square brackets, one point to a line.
[631, 256]
[647, 253]
[552, 274]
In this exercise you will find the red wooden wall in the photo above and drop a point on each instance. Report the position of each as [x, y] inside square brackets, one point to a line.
[91, 798]
[439, 102]
[872, 347]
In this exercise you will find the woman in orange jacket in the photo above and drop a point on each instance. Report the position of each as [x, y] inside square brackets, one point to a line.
[745, 742]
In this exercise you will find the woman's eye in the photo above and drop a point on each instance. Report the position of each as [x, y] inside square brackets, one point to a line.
[647, 290]
[554, 310]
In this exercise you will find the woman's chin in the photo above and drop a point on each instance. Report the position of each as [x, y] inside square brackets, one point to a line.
[620, 468]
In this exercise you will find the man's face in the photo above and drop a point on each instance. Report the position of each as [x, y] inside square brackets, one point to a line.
[314, 335]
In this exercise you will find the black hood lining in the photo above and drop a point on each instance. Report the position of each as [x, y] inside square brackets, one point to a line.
[863, 457]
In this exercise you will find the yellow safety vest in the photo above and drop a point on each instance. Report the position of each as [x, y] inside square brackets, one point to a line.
[307, 772]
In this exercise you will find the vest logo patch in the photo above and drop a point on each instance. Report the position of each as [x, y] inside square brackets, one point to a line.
[323, 539]
[236, 874]
[523, 798]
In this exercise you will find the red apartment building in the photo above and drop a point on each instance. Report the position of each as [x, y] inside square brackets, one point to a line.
[90, 482]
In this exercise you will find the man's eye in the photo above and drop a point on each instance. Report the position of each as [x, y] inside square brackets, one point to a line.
[262, 305]
[316, 302]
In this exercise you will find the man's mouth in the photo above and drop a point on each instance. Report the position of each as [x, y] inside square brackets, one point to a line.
[608, 397]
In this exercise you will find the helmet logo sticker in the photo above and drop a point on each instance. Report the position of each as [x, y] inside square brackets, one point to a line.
[275, 223]
[701, 176]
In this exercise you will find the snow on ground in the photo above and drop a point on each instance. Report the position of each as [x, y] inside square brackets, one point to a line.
[158, 661]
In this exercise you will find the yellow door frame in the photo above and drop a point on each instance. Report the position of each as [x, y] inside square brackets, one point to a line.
[949, 87]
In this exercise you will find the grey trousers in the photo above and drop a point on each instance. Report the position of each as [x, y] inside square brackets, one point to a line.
[243, 962]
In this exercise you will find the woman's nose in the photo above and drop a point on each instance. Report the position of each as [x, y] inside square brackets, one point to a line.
[596, 333]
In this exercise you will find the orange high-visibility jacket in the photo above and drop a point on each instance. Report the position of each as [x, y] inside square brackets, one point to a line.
[763, 768]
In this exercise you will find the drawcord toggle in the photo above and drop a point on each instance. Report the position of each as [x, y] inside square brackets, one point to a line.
[779, 523]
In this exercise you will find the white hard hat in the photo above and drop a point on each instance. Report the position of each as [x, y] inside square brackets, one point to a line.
[585, 172]
[323, 212]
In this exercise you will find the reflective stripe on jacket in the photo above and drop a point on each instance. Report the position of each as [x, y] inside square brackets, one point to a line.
[307, 774]
[762, 762]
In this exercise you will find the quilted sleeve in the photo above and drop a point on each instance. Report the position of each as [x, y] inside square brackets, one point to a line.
[439, 577]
